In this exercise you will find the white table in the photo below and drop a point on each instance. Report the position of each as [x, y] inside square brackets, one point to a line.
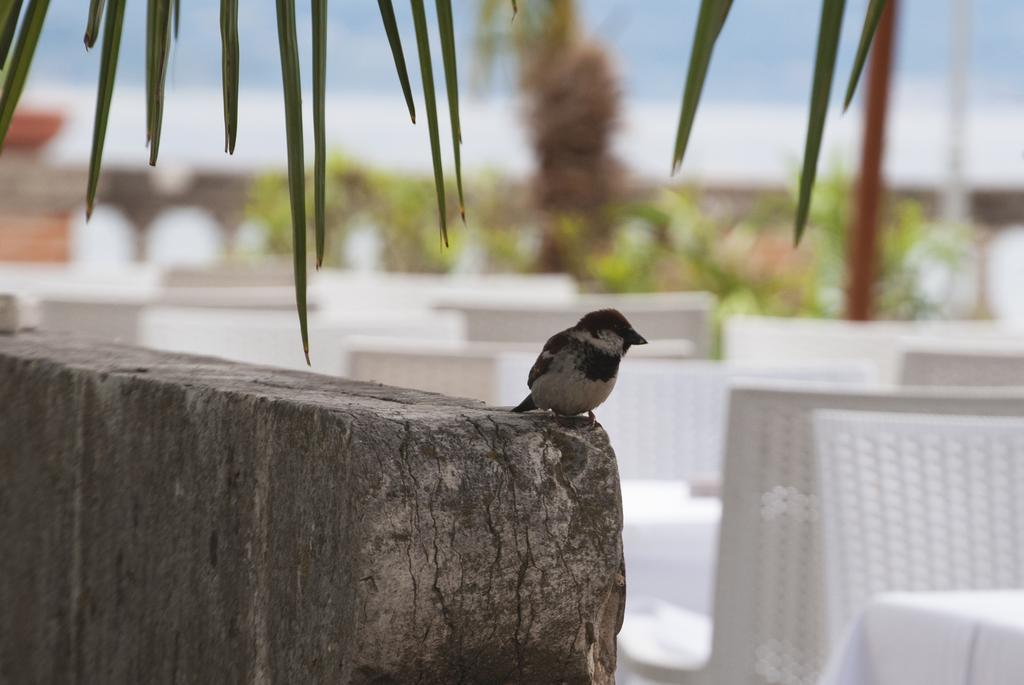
[670, 541]
[945, 638]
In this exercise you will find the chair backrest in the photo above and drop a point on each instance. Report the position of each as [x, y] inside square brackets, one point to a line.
[433, 366]
[657, 316]
[958, 363]
[229, 275]
[349, 291]
[918, 503]
[772, 339]
[272, 338]
[116, 318]
[770, 622]
[258, 298]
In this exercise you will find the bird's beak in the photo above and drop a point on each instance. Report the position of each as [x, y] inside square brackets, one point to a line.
[634, 338]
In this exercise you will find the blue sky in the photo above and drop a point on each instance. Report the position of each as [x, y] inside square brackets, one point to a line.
[765, 53]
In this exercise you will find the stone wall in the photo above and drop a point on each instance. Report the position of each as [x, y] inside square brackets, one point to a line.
[182, 519]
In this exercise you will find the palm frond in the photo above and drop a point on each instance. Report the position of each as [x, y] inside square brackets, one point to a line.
[423, 44]
[387, 16]
[824, 69]
[709, 24]
[867, 35]
[92, 27]
[320, 146]
[296, 166]
[158, 43]
[229, 70]
[20, 61]
[447, 30]
[108, 70]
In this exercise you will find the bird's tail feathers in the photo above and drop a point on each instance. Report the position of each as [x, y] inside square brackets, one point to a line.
[526, 405]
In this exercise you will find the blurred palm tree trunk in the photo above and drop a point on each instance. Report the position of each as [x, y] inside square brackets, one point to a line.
[572, 103]
[574, 109]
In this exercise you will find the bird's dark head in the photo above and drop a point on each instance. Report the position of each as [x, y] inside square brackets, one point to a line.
[605, 324]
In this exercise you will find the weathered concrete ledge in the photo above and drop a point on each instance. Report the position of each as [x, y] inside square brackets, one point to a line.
[182, 519]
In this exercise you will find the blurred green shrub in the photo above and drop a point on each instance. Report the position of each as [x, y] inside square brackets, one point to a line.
[916, 254]
[669, 244]
[401, 209]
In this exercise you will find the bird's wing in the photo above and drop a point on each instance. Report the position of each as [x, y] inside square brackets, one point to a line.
[551, 348]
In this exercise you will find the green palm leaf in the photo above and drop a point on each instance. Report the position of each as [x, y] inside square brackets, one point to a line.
[320, 146]
[824, 68]
[709, 25]
[10, 10]
[150, 61]
[158, 41]
[423, 43]
[867, 35]
[92, 28]
[21, 60]
[108, 70]
[229, 69]
[446, 29]
[387, 15]
[296, 166]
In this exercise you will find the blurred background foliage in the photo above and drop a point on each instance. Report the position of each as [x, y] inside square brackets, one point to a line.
[376, 219]
[658, 240]
[581, 213]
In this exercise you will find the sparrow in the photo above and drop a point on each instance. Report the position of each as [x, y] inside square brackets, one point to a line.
[577, 368]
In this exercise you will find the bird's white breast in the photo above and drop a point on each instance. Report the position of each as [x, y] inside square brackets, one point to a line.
[565, 390]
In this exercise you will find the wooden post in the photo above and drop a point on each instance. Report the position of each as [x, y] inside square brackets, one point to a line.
[863, 239]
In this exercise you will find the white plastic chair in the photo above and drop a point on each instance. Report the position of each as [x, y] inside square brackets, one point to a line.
[657, 316]
[256, 298]
[229, 275]
[978, 363]
[449, 367]
[770, 339]
[769, 609]
[918, 503]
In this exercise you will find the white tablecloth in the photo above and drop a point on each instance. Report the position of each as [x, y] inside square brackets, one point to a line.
[947, 638]
[671, 542]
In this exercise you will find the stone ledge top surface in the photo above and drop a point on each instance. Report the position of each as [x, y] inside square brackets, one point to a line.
[222, 375]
